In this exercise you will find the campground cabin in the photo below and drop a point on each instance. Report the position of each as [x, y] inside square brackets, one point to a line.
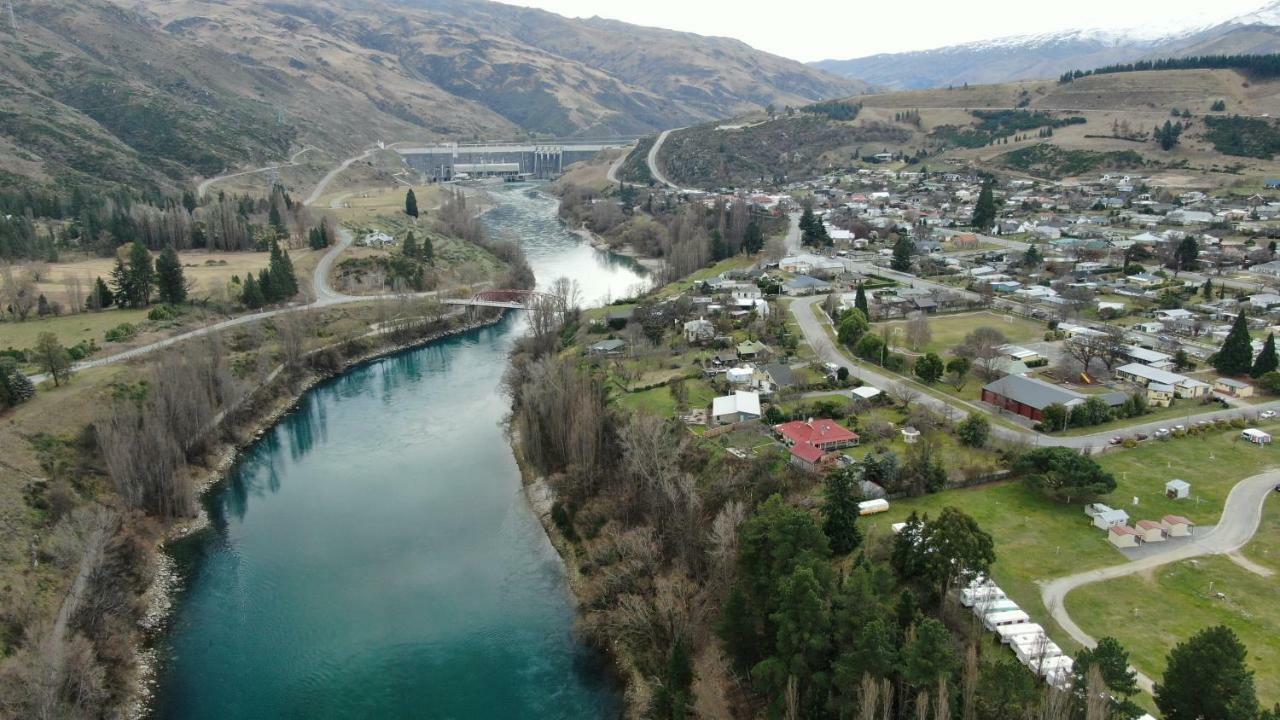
[1007, 633]
[970, 597]
[1123, 536]
[1032, 650]
[1256, 436]
[1177, 489]
[1150, 531]
[1106, 518]
[1234, 388]
[1177, 526]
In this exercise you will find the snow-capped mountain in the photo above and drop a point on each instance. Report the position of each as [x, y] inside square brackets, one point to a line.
[1047, 55]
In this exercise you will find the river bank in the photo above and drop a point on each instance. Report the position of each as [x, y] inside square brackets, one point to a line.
[238, 429]
[652, 264]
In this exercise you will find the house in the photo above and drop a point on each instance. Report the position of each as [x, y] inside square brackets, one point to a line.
[608, 347]
[752, 350]
[1108, 517]
[700, 330]
[1017, 352]
[780, 375]
[1152, 358]
[1256, 436]
[805, 285]
[866, 392]
[740, 375]
[739, 407]
[1026, 396]
[1143, 375]
[1160, 394]
[378, 240]
[1177, 526]
[822, 433]
[808, 457]
[1234, 388]
[1150, 531]
[1268, 268]
[1177, 489]
[1123, 536]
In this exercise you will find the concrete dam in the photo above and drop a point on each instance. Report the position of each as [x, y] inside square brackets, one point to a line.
[455, 161]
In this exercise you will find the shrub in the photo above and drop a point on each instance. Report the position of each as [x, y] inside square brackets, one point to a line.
[1239, 423]
[162, 312]
[121, 332]
[1129, 443]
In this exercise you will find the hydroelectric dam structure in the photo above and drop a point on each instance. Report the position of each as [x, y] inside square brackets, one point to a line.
[456, 161]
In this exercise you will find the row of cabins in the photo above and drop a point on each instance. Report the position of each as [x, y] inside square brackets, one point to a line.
[1013, 626]
[1121, 535]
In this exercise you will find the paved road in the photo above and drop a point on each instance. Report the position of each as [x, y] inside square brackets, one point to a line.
[826, 350]
[1240, 519]
[325, 294]
[655, 171]
[328, 178]
[612, 175]
[293, 160]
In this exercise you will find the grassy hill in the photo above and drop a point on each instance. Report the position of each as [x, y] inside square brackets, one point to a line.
[147, 93]
[1098, 123]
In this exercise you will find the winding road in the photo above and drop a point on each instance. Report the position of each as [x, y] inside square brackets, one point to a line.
[1240, 519]
[203, 187]
[655, 171]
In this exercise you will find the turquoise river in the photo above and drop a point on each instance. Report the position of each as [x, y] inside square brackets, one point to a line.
[372, 556]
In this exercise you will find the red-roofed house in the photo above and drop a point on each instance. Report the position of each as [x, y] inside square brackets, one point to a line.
[823, 434]
[1123, 536]
[1177, 526]
[1151, 531]
[807, 457]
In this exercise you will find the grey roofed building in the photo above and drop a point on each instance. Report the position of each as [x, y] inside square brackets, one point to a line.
[780, 374]
[1031, 392]
[607, 347]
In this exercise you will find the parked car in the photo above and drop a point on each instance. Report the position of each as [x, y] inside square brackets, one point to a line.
[1267, 414]
[1162, 433]
[1116, 440]
[1142, 436]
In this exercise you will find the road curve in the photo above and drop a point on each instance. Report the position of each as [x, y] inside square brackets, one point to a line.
[827, 351]
[325, 294]
[329, 176]
[203, 187]
[652, 159]
[1241, 517]
[616, 165]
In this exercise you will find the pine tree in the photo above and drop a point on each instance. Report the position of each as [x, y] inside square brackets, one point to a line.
[101, 297]
[274, 219]
[267, 286]
[860, 301]
[410, 247]
[170, 283]
[428, 250]
[284, 283]
[1267, 360]
[411, 204]
[901, 260]
[1207, 290]
[753, 238]
[984, 212]
[1207, 677]
[840, 512]
[142, 275]
[252, 296]
[1236, 355]
[121, 283]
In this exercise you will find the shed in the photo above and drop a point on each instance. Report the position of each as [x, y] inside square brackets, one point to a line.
[1123, 536]
[1177, 526]
[866, 392]
[1150, 531]
[871, 507]
[1177, 489]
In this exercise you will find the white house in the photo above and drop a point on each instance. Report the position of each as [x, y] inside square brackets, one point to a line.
[700, 330]
[740, 406]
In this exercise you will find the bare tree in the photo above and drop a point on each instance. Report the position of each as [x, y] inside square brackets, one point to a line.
[904, 394]
[870, 698]
[918, 331]
[1084, 349]
[982, 346]
[1112, 345]
[969, 684]
[20, 293]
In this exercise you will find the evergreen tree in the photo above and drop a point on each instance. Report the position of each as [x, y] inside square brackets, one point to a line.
[1267, 360]
[1236, 355]
[121, 283]
[753, 238]
[170, 283]
[1112, 661]
[411, 204]
[974, 430]
[1206, 677]
[902, 251]
[428, 250]
[189, 201]
[671, 700]
[1184, 258]
[284, 283]
[102, 297]
[52, 357]
[267, 284]
[738, 629]
[251, 295]
[142, 275]
[928, 654]
[1207, 290]
[18, 387]
[840, 511]
[860, 301]
[984, 212]
[853, 325]
[42, 306]
[274, 219]
[929, 368]
[803, 637]
[410, 247]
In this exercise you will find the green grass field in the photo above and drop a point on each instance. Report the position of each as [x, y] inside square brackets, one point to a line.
[659, 401]
[1150, 613]
[70, 329]
[950, 330]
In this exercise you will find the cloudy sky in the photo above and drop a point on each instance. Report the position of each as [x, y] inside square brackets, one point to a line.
[810, 30]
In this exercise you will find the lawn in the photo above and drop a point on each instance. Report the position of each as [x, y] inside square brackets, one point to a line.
[736, 262]
[950, 330]
[659, 401]
[70, 329]
[1149, 613]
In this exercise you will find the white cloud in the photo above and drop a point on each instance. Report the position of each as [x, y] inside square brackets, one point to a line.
[810, 30]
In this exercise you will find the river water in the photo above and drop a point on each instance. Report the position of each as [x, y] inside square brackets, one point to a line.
[372, 555]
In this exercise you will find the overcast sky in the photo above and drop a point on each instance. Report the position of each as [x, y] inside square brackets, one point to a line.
[810, 30]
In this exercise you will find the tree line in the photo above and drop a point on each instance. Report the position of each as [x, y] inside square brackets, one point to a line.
[1262, 66]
